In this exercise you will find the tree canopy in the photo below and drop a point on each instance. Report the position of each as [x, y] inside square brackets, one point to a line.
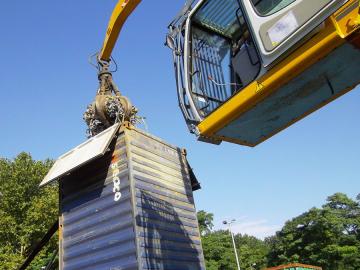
[218, 247]
[327, 237]
[26, 211]
[205, 222]
[219, 252]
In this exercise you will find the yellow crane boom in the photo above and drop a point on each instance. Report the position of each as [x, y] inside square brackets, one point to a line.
[121, 12]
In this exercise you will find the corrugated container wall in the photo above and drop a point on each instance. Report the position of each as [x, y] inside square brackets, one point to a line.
[131, 209]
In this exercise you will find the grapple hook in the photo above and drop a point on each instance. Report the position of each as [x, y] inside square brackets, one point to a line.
[109, 106]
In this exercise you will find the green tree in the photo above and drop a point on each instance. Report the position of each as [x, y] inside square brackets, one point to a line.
[26, 211]
[205, 222]
[219, 252]
[253, 252]
[328, 237]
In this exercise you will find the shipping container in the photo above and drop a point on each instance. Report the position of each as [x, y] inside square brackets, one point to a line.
[130, 208]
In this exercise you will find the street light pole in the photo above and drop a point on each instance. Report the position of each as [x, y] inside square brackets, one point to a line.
[233, 241]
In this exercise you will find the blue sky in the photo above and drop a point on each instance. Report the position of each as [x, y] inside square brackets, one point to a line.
[46, 84]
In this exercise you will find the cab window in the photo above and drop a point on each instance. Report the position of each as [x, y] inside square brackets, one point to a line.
[269, 7]
[223, 57]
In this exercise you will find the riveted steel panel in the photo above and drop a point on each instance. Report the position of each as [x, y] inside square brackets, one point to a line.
[133, 208]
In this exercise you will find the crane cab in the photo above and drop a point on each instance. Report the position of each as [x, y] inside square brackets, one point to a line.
[247, 69]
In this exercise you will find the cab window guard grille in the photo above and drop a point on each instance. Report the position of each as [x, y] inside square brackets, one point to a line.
[207, 69]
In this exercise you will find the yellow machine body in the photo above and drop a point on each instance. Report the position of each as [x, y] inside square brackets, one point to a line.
[321, 70]
[323, 67]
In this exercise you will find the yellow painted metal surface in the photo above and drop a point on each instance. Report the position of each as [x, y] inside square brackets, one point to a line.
[121, 12]
[347, 19]
[317, 48]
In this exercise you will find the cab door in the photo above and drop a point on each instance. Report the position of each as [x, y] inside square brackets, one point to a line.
[278, 25]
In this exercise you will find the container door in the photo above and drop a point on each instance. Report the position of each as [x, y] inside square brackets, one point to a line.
[278, 25]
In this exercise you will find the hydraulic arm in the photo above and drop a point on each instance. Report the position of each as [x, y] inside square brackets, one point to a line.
[110, 106]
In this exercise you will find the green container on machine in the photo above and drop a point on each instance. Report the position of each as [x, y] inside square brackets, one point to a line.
[295, 266]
